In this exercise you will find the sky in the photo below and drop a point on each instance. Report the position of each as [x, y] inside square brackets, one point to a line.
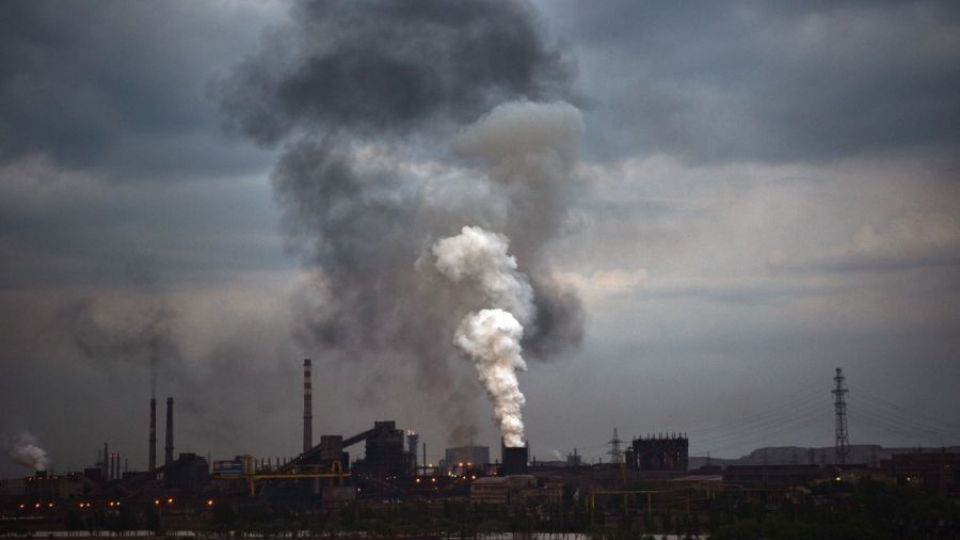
[714, 205]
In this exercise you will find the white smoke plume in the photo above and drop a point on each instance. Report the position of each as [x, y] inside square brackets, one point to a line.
[482, 255]
[25, 451]
[528, 149]
[491, 337]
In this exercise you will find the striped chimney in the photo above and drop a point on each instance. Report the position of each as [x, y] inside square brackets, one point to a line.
[307, 407]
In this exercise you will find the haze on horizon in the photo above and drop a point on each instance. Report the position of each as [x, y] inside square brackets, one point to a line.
[743, 197]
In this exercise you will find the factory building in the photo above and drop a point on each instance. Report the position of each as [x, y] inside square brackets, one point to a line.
[937, 471]
[472, 456]
[385, 456]
[658, 453]
[514, 459]
[188, 472]
[43, 485]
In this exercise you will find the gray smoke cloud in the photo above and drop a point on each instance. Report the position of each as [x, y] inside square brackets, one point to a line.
[337, 89]
[25, 450]
[375, 66]
[144, 336]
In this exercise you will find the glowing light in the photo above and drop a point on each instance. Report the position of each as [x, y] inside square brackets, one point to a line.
[209, 502]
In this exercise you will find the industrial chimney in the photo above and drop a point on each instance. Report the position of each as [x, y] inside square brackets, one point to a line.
[152, 467]
[412, 440]
[514, 459]
[307, 407]
[168, 449]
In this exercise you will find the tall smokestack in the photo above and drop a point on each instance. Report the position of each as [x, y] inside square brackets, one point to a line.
[307, 407]
[152, 447]
[412, 443]
[168, 449]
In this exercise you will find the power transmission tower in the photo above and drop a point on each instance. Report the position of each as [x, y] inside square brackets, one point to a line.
[842, 445]
[616, 455]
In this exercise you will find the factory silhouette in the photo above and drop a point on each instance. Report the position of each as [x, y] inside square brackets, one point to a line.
[645, 480]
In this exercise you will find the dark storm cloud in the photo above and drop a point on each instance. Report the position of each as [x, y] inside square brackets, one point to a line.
[769, 82]
[370, 66]
[120, 87]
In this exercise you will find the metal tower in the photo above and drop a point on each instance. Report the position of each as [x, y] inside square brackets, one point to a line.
[616, 454]
[842, 445]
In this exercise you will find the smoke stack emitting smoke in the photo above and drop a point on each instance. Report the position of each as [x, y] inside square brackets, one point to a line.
[352, 111]
[25, 451]
[491, 337]
[530, 146]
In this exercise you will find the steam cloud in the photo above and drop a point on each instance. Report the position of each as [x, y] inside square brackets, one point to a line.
[491, 337]
[25, 451]
[356, 91]
[476, 253]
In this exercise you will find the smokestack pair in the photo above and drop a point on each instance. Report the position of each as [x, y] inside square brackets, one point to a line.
[112, 465]
[168, 449]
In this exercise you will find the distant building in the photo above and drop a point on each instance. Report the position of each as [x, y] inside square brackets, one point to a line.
[469, 456]
[514, 459]
[501, 490]
[11, 487]
[188, 472]
[658, 453]
[384, 455]
[43, 485]
[781, 476]
[936, 471]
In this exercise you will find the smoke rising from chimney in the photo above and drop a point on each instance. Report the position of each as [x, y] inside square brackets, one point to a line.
[25, 451]
[355, 113]
[481, 255]
[491, 337]
[168, 446]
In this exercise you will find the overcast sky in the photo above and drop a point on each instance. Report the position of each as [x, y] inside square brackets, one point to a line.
[761, 193]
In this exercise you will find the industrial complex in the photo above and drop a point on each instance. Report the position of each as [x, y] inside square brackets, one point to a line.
[650, 476]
